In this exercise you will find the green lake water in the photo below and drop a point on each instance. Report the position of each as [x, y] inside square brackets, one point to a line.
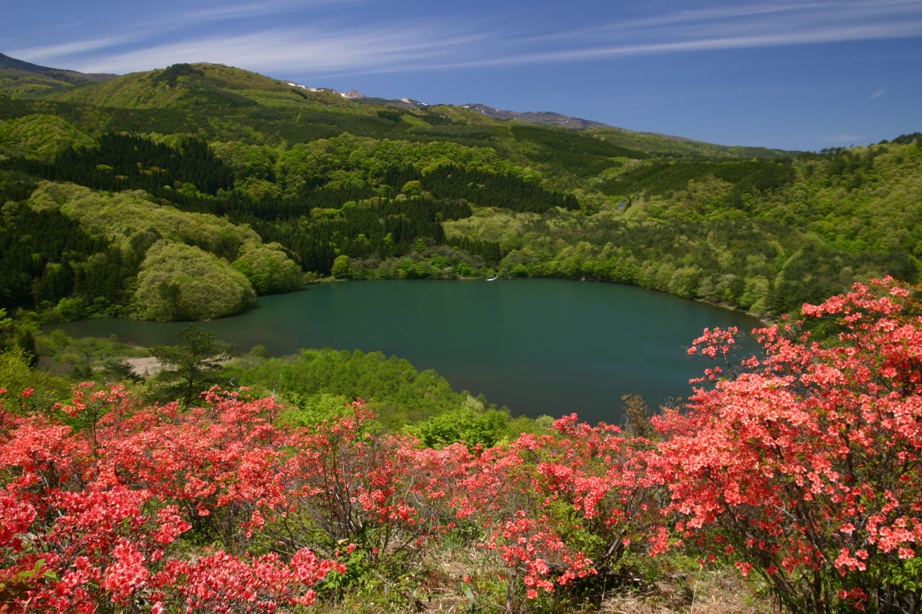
[537, 346]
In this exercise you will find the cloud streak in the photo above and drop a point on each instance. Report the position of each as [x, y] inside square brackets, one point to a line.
[768, 25]
[323, 36]
[314, 49]
[227, 12]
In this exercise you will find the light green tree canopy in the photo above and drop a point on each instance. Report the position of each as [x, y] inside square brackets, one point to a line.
[182, 282]
[268, 268]
[342, 267]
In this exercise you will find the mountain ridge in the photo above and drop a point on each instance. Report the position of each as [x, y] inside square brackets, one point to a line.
[547, 118]
[72, 86]
[62, 74]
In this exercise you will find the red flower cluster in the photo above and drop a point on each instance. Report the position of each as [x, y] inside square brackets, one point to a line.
[94, 515]
[809, 463]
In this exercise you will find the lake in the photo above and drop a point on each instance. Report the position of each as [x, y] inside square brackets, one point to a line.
[539, 346]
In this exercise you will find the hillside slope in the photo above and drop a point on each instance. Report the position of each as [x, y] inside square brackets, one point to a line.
[214, 87]
[25, 78]
[358, 189]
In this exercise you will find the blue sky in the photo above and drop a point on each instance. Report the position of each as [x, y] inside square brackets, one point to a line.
[774, 73]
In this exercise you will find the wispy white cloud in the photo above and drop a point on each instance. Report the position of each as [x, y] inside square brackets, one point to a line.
[877, 94]
[327, 36]
[73, 48]
[734, 27]
[147, 33]
[307, 49]
[230, 11]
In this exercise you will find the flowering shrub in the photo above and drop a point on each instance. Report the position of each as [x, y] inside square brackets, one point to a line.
[93, 516]
[346, 484]
[560, 509]
[805, 468]
[223, 583]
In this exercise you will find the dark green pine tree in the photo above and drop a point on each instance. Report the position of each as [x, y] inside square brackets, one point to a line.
[190, 366]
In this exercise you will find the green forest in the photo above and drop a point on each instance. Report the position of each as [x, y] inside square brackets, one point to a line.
[136, 196]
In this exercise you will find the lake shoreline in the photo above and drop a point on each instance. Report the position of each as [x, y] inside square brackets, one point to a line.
[539, 346]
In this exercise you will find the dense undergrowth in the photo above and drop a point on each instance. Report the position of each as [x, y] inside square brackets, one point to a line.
[800, 468]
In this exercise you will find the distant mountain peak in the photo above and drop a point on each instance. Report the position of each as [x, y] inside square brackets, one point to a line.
[541, 117]
[8, 62]
[60, 74]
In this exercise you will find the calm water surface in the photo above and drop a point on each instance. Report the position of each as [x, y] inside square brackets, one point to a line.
[538, 346]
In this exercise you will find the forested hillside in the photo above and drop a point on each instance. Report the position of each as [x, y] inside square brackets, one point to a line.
[114, 192]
